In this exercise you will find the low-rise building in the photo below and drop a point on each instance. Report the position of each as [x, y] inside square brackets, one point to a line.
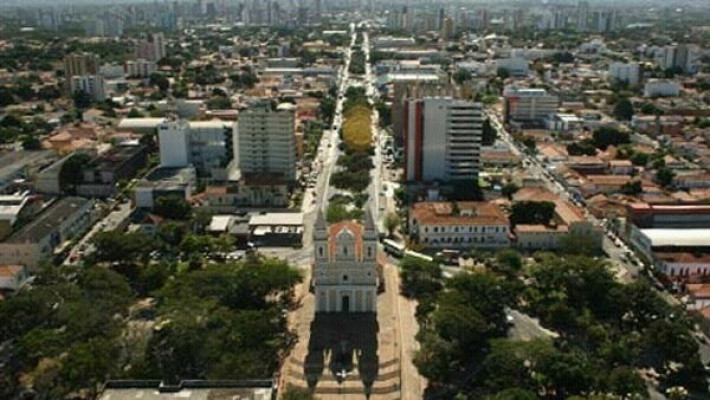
[459, 225]
[661, 88]
[682, 264]
[37, 240]
[102, 176]
[276, 229]
[568, 222]
[164, 182]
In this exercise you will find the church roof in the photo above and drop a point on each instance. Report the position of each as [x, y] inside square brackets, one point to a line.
[350, 227]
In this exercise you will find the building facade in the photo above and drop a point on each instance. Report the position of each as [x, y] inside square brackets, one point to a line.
[459, 225]
[625, 72]
[345, 270]
[442, 139]
[266, 141]
[528, 105]
[207, 145]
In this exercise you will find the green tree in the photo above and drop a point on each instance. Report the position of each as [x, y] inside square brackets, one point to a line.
[420, 278]
[508, 262]
[509, 190]
[82, 100]
[502, 73]
[624, 110]
[532, 212]
[30, 142]
[70, 172]
[392, 222]
[134, 113]
[462, 75]
[582, 148]
[119, 247]
[665, 177]
[605, 136]
[632, 188]
[172, 207]
[489, 133]
[160, 81]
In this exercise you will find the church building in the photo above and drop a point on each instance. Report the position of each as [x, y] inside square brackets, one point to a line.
[345, 269]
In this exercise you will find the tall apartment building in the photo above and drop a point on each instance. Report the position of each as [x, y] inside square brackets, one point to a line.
[93, 85]
[410, 87]
[266, 141]
[625, 72]
[683, 56]
[207, 145]
[81, 64]
[152, 48]
[442, 138]
[140, 68]
[527, 105]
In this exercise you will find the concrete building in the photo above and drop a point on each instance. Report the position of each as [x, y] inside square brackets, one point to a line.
[13, 207]
[22, 165]
[345, 271]
[140, 68]
[625, 72]
[459, 225]
[163, 182]
[152, 48]
[266, 141]
[102, 176]
[442, 139]
[37, 240]
[208, 145]
[515, 66]
[568, 221]
[525, 105]
[187, 390]
[685, 57]
[661, 88]
[78, 64]
[93, 85]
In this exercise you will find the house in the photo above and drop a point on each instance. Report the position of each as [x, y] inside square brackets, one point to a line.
[459, 224]
[621, 167]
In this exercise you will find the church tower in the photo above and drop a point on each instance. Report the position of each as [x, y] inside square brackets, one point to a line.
[345, 268]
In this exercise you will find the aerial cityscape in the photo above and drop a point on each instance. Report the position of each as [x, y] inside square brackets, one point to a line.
[354, 199]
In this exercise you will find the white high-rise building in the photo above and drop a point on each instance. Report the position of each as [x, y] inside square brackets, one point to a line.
[625, 72]
[173, 138]
[140, 68]
[267, 141]
[207, 145]
[93, 85]
[442, 138]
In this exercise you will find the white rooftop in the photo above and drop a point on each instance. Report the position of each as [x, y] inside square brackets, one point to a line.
[220, 223]
[678, 237]
[140, 123]
[277, 219]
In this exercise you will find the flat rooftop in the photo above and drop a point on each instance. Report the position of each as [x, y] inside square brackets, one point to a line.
[48, 220]
[12, 161]
[678, 237]
[166, 178]
[194, 390]
[280, 219]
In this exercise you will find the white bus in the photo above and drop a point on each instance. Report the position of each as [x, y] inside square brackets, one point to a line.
[393, 248]
[410, 253]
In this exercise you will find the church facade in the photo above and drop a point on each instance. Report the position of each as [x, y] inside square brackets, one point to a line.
[345, 268]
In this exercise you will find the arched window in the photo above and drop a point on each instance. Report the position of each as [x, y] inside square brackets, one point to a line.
[320, 252]
[345, 250]
[369, 252]
[345, 278]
